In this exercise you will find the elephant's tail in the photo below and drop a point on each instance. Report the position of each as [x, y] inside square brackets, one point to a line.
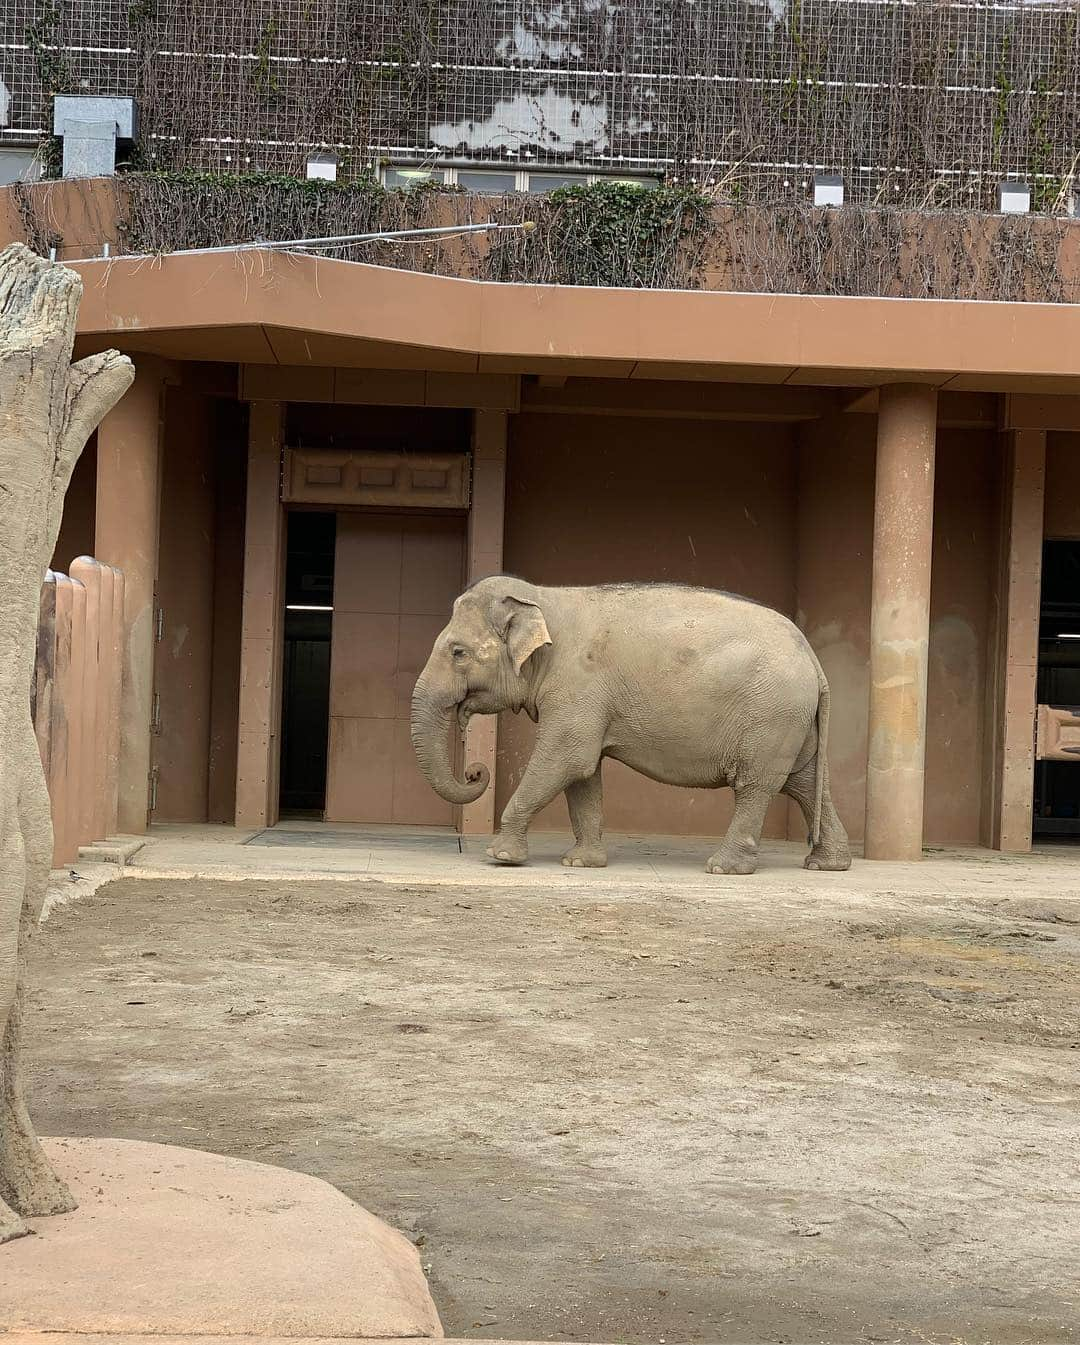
[822, 742]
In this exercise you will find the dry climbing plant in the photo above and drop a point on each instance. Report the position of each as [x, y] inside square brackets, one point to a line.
[924, 103]
[602, 235]
[48, 407]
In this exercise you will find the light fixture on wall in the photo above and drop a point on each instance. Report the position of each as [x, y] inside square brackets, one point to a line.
[828, 189]
[322, 166]
[1014, 198]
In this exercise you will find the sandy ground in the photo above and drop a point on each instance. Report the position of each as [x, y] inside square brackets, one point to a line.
[776, 1109]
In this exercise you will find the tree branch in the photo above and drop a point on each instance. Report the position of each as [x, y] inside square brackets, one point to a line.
[95, 385]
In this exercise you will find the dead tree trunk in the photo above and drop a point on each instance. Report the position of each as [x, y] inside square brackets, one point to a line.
[48, 409]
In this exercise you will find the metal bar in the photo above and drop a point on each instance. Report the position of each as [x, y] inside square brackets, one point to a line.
[263, 245]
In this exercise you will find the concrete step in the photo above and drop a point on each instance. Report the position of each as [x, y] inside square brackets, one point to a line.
[112, 850]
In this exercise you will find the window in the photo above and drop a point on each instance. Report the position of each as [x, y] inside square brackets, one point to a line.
[545, 182]
[18, 165]
[405, 177]
[497, 181]
[486, 182]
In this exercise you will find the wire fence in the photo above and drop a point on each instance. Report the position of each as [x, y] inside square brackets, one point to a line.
[928, 103]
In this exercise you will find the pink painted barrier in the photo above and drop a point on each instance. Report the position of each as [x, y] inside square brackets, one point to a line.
[75, 697]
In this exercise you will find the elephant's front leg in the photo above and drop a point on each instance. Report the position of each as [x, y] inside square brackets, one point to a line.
[585, 800]
[563, 756]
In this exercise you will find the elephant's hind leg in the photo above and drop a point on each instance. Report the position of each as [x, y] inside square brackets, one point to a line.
[831, 852]
[739, 851]
[585, 800]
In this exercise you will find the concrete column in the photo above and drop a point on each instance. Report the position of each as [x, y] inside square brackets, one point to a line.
[91, 766]
[1013, 706]
[116, 691]
[258, 755]
[75, 704]
[900, 620]
[61, 778]
[102, 725]
[485, 556]
[126, 536]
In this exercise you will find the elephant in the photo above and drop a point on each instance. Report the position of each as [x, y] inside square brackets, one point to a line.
[688, 686]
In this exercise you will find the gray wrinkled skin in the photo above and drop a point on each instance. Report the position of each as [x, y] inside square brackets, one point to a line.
[686, 685]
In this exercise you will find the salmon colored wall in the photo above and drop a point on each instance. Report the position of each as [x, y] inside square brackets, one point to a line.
[182, 671]
[230, 506]
[395, 580]
[835, 560]
[1062, 485]
[76, 537]
[836, 512]
[966, 496]
[593, 499]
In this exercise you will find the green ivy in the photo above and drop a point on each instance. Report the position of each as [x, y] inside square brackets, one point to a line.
[615, 233]
[265, 77]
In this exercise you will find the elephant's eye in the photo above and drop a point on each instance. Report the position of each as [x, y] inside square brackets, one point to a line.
[458, 651]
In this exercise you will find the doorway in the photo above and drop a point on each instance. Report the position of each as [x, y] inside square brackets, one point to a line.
[305, 707]
[1057, 782]
[397, 576]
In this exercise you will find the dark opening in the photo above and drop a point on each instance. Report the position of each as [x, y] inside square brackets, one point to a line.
[1057, 783]
[305, 709]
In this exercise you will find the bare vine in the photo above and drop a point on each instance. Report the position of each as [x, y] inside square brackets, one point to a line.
[604, 235]
[922, 104]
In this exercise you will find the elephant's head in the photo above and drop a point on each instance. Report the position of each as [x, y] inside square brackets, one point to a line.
[477, 666]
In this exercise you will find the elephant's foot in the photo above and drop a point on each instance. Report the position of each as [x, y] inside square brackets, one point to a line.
[584, 856]
[508, 850]
[733, 859]
[828, 858]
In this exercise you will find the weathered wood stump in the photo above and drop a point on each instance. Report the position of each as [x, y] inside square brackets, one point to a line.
[49, 407]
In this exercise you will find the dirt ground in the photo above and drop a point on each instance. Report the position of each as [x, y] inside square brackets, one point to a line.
[737, 1115]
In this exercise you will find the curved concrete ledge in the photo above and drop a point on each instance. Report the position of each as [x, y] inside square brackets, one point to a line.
[173, 1242]
[266, 307]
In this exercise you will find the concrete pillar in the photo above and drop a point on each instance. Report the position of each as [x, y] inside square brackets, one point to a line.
[258, 755]
[485, 556]
[107, 585]
[91, 766]
[75, 707]
[126, 536]
[116, 692]
[1017, 644]
[60, 781]
[900, 620]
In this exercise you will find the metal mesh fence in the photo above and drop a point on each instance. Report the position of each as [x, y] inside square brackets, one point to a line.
[912, 101]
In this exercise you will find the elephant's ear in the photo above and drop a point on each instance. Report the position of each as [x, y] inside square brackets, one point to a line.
[524, 630]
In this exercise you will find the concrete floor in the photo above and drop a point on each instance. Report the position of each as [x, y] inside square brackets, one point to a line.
[634, 1104]
[342, 850]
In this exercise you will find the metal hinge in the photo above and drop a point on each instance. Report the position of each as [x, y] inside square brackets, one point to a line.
[155, 714]
[159, 624]
[152, 805]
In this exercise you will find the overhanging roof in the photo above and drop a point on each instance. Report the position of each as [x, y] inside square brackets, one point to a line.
[264, 307]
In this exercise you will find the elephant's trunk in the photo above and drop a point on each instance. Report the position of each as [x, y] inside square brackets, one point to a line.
[430, 728]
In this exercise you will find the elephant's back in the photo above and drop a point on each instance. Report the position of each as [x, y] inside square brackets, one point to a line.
[677, 641]
[684, 611]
